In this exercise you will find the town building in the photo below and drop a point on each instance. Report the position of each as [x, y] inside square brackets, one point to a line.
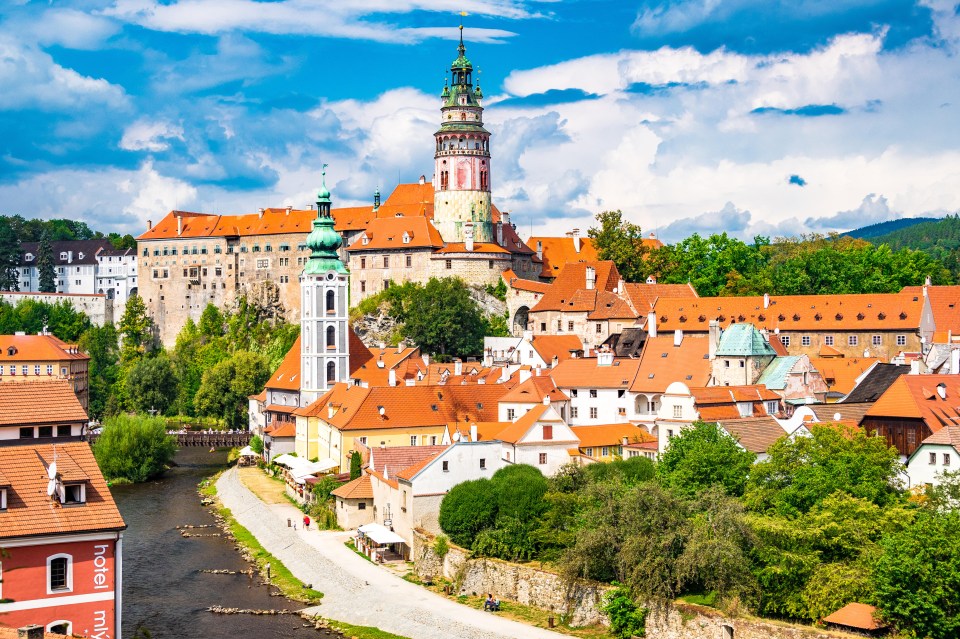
[666, 359]
[116, 275]
[535, 351]
[29, 358]
[598, 388]
[74, 264]
[353, 503]
[913, 408]
[45, 411]
[606, 442]
[937, 454]
[62, 538]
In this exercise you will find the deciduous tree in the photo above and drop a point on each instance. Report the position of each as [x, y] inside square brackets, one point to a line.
[701, 457]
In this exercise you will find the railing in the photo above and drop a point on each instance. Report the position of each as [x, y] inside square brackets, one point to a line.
[211, 439]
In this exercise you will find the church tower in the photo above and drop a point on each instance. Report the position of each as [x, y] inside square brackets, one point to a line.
[324, 283]
[461, 177]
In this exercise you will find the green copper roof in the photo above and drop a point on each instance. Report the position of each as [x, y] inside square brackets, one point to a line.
[323, 241]
[774, 376]
[743, 340]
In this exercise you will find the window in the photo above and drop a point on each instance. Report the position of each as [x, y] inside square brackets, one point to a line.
[73, 494]
[23, 369]
[573, 412]
[901, 340]
[877, 340]
[828, 340]
[331, 302]
[49, 369]
[63, 430]
[593, 412]
[933, 459]
[511, 413]
[449, 265]
[483, 463]
[852, 340]
[599, 327]
[569, 326]
[362, 505]
[946, 459]
[669, 433]
[409, 260]
[547, 431]
[386, 261]
[264, 263]
[742, 362]
[489, 263]
[543, 458]
[59, 573]
[573, 392]
[593, 392]
[331, 372]
[446, 466]
[677, 411]
[785, 340]
[26, 432]
[745, 408]
[36, 369]
[363, 262]
[805, 340]
[363, 286]
[543, 326]
[1, 369]
[604, 451]
[413, 440]
[771, 407]
[60, 628]
[588, 452]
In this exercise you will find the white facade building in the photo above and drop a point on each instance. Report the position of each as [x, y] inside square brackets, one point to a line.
[116, 274]
[77, 268]
[936, 455]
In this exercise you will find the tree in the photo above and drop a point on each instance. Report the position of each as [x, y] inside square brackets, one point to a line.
[121, 242]
[701, 457]
[9, 257]
[621, 242]
[801, 472]
[256, 444]
[442, 319]
[916, 578]
[627, 619]
[134, 447]
[151, 384]
[468, 508]
[355, 464]
[136, 330]
[224, 389]
[48, 277]
[100, 343]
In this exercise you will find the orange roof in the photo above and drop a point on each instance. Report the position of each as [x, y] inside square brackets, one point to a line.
[39, 348]
[559, 251]
[389, 233]
[486, 431]
[585, 372]
[572, 280]
[644, 296]
[662, 363]
[515, 281]
[478, 247]
[396, 458]
[945, 305]
[720, 402]
[534, 390]
[375, 371]
[559, 346]
[610, 435]
[30, 512]
[611, 306]
[887, 311]
[918, 397]
[409, 472]
[409, 199]
[359, 488]
[949, 435]
[356, 408]
[282, 429]
[840, 373]
[40, 402]
[353, 218]
[826, 351]
[755, 434]
[855, 615]
[287, 375]
[514, 432]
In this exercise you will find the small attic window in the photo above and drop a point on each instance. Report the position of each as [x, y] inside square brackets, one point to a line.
[762, 317]
[781, 317]
[663, 354]
[433, 407]
[406, 238]
[689, 377]
[903, 316]
[839, 316]
[63, 255]
[650, 376]
[479, 405]
[74, 494]
[860, 316]
[796, 317]
[11, 351]
[80, 256]
[881, 316]
[364, 240]
[28, 257]
[702, 318]
[683, 318]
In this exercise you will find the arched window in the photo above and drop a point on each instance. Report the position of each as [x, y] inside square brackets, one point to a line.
[61, 627]
[331, 338]
[331, 302]
[331, 371]
[59, 573]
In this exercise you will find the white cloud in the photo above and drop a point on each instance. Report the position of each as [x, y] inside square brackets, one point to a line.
[73, 29]
[31, 78]
[150, 135]
[310, 17]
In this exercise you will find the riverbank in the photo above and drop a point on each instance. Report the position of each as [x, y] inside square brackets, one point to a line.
[356, 591]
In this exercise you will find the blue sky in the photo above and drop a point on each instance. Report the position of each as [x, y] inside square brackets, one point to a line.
[749, 116]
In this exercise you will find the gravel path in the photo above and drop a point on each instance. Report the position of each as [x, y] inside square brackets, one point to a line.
[355, 590]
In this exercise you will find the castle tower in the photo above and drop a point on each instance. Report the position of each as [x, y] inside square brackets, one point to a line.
[461, 177]
[324, 283]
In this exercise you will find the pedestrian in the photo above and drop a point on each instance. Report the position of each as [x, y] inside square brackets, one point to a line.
[306, 522]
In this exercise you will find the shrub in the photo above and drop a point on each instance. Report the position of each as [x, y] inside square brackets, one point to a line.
[441, 546]
[256, 444]
[134, 447]
[467, 509]
[627, 619]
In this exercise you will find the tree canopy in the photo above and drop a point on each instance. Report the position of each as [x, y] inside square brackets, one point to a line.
[704, 456]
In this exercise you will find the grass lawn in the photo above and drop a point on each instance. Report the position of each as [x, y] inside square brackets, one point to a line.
[268, 489]
[362, 632]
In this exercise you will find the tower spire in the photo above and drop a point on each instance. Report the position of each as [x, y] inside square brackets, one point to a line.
[323, 241]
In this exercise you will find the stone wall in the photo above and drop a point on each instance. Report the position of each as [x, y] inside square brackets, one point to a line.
[696, 622]
[580, 601]
[98, 308]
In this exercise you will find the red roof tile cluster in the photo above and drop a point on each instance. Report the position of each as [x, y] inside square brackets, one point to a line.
[588, 373]
[281, 429]
[949, 435]
[37, 348]
[643, 296]
[287, 375]
[945, 306]
[359, 488]
[755, 434]
[888, 311]
[514, 281]
[662, 363]
[933, 398]
[611, 435]
[855, 615]
[720, 402]
[572, 281]
[560, 251]
[559, 346]
[47, 401]
[405, 232]
[841, 373]
[31, 512]
[533, 390]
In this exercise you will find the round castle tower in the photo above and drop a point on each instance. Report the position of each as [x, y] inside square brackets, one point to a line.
[461, 177]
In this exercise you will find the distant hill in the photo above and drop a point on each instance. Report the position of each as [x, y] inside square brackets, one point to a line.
[936, 237]
[887, 228]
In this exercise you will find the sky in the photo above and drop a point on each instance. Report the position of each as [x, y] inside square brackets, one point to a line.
[754, 117]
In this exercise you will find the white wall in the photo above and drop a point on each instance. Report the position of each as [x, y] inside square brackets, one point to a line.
[608, 403]
[921, 471]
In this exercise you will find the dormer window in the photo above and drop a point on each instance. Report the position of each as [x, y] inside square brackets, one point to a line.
[3, 499]
[11, 351]
[364, 240]
[406, 237]
[73, 494]
[28, 257]
[745, 408]
[63, 255]
[80, 256]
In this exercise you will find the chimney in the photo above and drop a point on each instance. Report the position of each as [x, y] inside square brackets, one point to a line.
[260, 213]
[605, 358]
[555, 361]
[539, 250]
[523, 375]
[766, 300]
[651, 324]
[487, 357]
[621, 287]
[500, 233]
[915, 367]
[70, 253]
[576, 240]
[591, 278]
[400, 346]
[955, 361]
[714, 338]
[942, 390]
[528, 336]
[473, 432]
[392, 377]
[179, 225]
[505, 217]
[468, 236]
[625, 441]
[458, 367]
[32, 631]
[423, 180]
[149, 224]
[677, 337]
[546, 400]
[426, 359]
[289, 209]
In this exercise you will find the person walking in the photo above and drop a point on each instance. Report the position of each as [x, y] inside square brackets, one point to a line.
[306, 522]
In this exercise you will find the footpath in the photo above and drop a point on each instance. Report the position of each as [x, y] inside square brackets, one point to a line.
[354, 590]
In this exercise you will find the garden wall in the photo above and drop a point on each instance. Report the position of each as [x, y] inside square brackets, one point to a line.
[695, 622]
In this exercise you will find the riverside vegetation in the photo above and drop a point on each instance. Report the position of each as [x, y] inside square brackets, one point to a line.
[820, 523]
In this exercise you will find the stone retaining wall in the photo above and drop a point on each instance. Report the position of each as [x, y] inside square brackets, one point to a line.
[578, 601]
[696, 622]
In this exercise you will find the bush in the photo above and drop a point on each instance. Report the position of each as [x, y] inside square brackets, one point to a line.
[441, 546]
[256, 444]
[467, 509]
[627, 619]
[701, 457]
[134, 447]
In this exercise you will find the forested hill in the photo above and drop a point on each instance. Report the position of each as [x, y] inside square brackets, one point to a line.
[16, 228]
[885, 228]
[936, 237]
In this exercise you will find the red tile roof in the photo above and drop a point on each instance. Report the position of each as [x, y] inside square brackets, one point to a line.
[282, 429]
[611, 435]
[840, 373]
[560, 251]
[388, 233]
[918, 397]
[644, 296]
[40, 348]
[569, 290]
[662, 363]
[514, 432]
[720, 402]
[891, 311]
[755, 434]
[40, 402]
[855, 615]
[287, 375]
[945, 305]
[585, 372]
[534, 390]
[31, 512]
[409, 472]
[359, 488]
[478, 247]
[397, 458]
[949, 435]
[559, 346]
[515, 281]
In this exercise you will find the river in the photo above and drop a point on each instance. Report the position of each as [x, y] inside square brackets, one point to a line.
[162, 588]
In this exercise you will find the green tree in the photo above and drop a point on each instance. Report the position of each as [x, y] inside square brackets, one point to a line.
[703, 456]
[66, 322]
[467, 509]
[442, 319]
[9, 257]
[621, 242]
[224, 389]
[627, 619]
[256, 444]
[801, 472]
[47, 275]
[355, 465]
[122, 242]
[151, 384]
[136, 330]
[134, 447]
[100, 343]
[916, 578]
